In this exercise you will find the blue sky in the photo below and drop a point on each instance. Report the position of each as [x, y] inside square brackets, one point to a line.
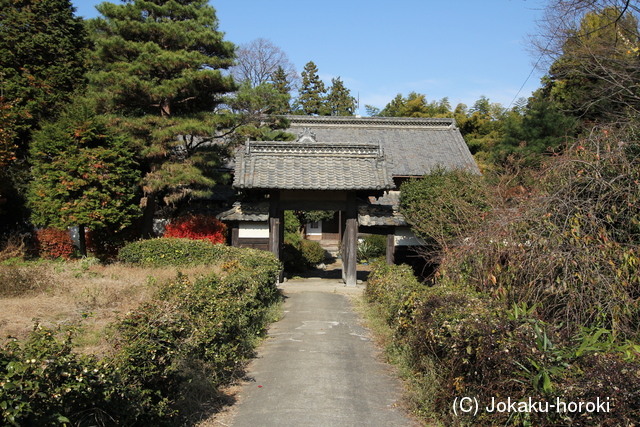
[460, 49]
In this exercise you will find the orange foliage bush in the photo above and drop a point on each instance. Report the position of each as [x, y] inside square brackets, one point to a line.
[197, 227]
[52, 243]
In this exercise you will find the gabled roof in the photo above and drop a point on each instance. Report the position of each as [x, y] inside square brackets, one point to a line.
[412, 146]
[310, 165]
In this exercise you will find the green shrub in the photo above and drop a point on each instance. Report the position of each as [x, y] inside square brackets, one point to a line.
[393, 288]
[299, 254]
[312, 252]
[204, 329]
[456, 341]
[292, 223]
[372, 246]
[46, 384]
[445, 205]
[292, 257]
[213, 323]
[171, 252]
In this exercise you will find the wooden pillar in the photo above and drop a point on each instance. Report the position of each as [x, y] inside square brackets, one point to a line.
[235, 232]
[350, 243]
[276, 228]
[391, 248]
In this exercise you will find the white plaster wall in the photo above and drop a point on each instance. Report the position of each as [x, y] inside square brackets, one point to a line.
[253, 229]
[403, 236]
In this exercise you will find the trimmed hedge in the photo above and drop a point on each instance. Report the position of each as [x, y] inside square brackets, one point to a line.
[163, 252]
[312, 252]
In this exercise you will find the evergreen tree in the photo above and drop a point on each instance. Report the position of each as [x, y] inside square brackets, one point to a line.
[82, 174]
[281, 83]
[312, 93]
[482, 128]
[7, 156]
[416, 105]
[161, 58]
[372, 111]
[540, 129]
[394, 108]
[7, 145]
[158, 71]
[264, 102]
[42, 61]
[339, 100]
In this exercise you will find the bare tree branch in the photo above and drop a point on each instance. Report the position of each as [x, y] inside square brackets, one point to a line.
[259, 59]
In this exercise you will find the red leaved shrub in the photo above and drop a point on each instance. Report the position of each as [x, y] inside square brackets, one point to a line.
[197, 227]
[52, 243]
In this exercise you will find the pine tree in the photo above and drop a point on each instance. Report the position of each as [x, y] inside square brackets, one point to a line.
[82, 174]
[161, 58]
[339, 100]
[312, 93]
[541, 129]
[42, 61]
[158, 71]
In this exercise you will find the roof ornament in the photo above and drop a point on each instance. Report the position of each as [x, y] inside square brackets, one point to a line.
[306, 135]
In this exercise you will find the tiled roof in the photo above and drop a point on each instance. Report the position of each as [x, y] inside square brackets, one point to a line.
[310, 165]
[413, 146]
[246, 211]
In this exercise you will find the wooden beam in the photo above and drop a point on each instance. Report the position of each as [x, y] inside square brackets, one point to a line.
[313, 205]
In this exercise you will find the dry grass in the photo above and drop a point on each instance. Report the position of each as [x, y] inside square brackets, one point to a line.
[13, 247]
[79, 292]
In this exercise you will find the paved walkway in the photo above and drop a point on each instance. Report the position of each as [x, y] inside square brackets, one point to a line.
[318, 367]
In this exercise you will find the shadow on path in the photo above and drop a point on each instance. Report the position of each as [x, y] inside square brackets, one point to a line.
[319, 367]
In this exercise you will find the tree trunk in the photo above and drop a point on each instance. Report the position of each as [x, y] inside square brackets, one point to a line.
[165, 107]
[82, 241]
[148, 212]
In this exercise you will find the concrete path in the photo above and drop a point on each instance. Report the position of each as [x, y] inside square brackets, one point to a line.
[318, 367]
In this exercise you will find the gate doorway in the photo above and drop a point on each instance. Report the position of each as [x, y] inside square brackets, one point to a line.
[310, 175]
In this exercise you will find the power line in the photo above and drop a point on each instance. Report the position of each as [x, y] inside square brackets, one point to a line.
[531, 73]
[527, 79]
